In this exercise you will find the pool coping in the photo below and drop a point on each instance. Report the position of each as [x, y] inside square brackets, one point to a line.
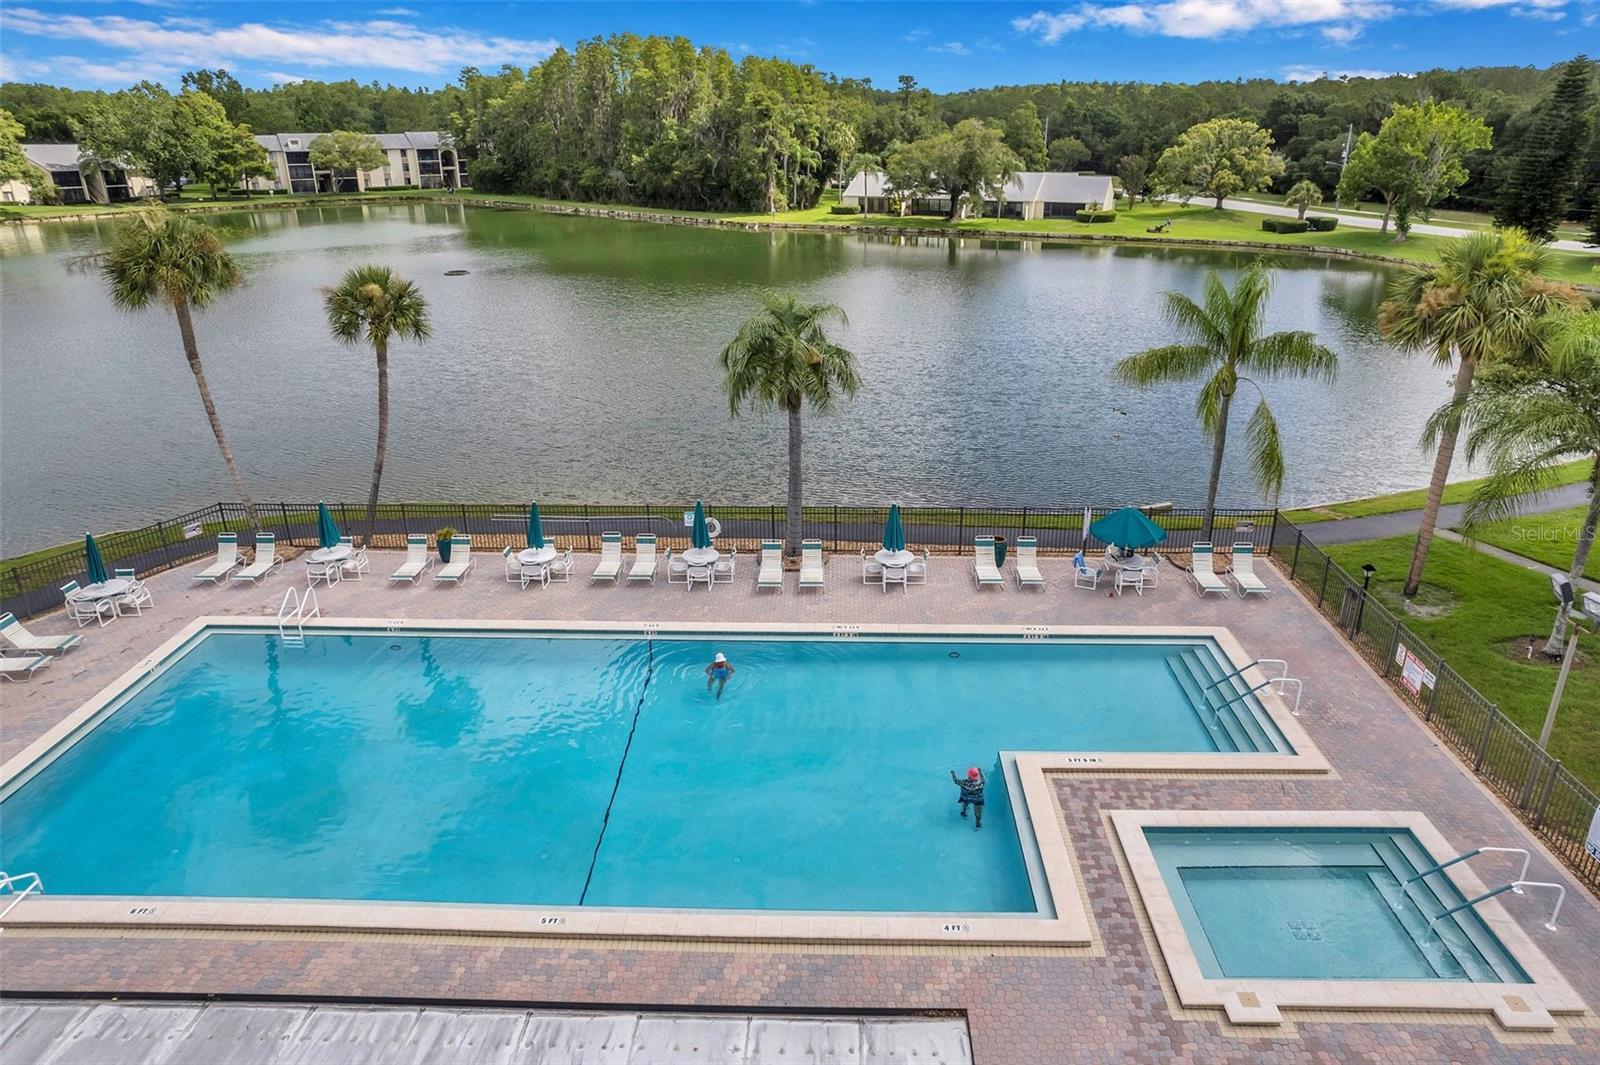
[1064, 919]
[1253, 1001]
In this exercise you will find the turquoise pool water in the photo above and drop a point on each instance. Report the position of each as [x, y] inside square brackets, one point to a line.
[1322, 904]
[587, 771]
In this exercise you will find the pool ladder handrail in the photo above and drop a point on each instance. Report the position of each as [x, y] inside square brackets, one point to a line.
[1522, 877]
[1515, 886]
[1279, 684]
[295, 608]
[8, 884]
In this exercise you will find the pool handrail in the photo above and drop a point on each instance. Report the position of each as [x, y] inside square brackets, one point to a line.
[1522, 877]
[1515, 886]
[8, 883]
[1230, 676]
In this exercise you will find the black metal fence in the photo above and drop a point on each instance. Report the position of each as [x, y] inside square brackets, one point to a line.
[1554, 804]
[33, 586]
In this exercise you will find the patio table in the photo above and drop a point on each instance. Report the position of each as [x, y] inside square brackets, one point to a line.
[537, 556]
[701, 556]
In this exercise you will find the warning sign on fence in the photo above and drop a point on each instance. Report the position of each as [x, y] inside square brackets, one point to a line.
[1413, 674]
[1592, 844]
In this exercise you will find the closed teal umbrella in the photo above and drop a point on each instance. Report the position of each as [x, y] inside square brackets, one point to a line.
[700, 535]
[1128, 527]
[97, 565]
[894, 533]
[327, 531]
[535, 526]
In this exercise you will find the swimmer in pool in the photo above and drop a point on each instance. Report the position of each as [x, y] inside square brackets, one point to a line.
[718, 672]
[971, 794]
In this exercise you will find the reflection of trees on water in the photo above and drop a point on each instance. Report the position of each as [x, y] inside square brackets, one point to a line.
[451, 711]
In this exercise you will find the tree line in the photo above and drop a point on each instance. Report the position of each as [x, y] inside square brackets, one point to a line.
[663, 122]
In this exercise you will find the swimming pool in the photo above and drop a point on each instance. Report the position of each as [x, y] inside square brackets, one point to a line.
[1323, 904]
[594, 770]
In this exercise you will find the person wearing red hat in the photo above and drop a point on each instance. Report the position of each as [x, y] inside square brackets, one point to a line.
[971, 794]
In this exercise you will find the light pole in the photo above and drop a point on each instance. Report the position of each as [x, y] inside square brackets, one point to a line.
[1591, 609]
[1367, 570]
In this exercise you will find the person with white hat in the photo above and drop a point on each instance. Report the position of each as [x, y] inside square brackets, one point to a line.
[718, 672]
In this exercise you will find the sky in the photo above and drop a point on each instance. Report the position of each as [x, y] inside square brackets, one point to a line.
[946, 46]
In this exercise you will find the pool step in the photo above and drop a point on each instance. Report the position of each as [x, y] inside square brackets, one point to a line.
[1242, 710]
[1193, 678]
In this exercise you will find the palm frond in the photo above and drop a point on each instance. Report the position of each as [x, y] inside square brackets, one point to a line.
[1175, 362]
[1265, 449]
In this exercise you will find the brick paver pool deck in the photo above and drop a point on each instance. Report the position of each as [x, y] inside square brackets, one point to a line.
[1022, 1005]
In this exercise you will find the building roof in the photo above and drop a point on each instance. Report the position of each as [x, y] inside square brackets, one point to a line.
[1026, 186]
[53, 157]
[299, 142]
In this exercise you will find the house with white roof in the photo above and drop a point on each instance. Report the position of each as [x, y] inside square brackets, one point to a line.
[1029, 195]
[76, 179]
[423, 160]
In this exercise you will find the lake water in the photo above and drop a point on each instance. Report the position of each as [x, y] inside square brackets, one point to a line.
[577, 361]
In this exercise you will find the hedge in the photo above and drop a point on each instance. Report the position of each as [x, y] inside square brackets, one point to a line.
[1322, 223]
[1284, 225]
[844, 208]
[1092, 215]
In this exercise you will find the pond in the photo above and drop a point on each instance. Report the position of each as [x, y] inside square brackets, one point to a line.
[576, 360]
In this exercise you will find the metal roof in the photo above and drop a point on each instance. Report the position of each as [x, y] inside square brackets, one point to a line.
[53, 156]
[1024, 187]
[279, 142]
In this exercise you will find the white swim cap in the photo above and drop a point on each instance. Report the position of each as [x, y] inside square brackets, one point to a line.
[720, 657]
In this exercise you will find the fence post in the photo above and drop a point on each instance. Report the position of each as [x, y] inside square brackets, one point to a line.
[835, 546]
[24, 606]
[588, 529]
[1327, 563]
[961, 526]
[1549, 790]
[1394, 645]
[1299, 538]
[1433, 696]
[1024, 530]
[1272, 534]
[1483, 741]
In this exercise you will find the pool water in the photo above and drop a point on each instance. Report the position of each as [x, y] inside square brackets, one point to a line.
[1322, 904]
[592, 771]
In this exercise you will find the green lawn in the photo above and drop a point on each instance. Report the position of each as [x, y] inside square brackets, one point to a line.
[1550, 538]
[1439, 216]
[1413, 499]
[1494, 603]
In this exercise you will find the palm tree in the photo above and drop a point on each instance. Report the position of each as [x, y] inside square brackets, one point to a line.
[161, 257]
[373, 304]
[783, 358]
[1481, 302]
[1225, 349]
[1526, 418]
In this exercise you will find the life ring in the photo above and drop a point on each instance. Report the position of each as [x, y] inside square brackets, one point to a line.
[714, 527]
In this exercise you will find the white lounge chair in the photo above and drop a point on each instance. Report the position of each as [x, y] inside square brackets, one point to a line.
[265, 562]
[460, 564]
[561, 569]
[417, 560]
[644, 559]
[984, 571]
[137, 597]
[12, 668]
[1083, 574]
[771, 573]
[1200, 571]
[227, 558]
[12, 632]
[812, 571]
[1028, 575]
[724, 568]
[83, 610]
[610, 558]
[1244, 572]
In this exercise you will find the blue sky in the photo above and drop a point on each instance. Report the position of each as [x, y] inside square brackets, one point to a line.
[947, 46]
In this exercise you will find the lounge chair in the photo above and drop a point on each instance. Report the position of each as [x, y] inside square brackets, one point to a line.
[812, 571]
[12, 668]
[1028, 575]
[644, 559]
[1244, 572]
[1083, 574]
[610, 558]
[984, 571]
[12, 632]
[227, 558]
[1200, 571]
[771, 573]
[265, 562]
[84, 610]
[560, 569]
[137, 597]
[460, 564]
[417, 560]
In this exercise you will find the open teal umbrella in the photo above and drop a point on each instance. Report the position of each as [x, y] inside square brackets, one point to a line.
[535, 526]
[700, 535]
[1128, 527]
[327, 531]
[894, 533]
[97, 565]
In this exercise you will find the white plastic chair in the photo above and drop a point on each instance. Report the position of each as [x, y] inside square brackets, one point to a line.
[1130, 578]
[644, 559]
[984, 571]
[770, 575]
[1028, 575]
[610, 558]
[227, 558]
[266, 560]
[917, 571]
[698, 575]
[724, 569]
[1244, 572]
[1083, 574]
[1200, 571]
[84, 610]
[871, 569]
[812, 571]
[561, 569]
[461, 562]
[895, 575]
[137, 597]
[417, 560]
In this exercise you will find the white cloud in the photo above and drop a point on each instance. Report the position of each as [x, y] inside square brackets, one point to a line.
[913, 36]
[1312, 73]
[114, 73]
[279, 77]
[374, 45]
[1343, 34]
[950, 48]
[1202, 19]
[396, 11]
[1547, 10]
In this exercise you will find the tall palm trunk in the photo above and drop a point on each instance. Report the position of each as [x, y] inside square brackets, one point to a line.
[792, 533]
[191, 351]
[1554, 646]
[1216, 469]
[383, 436]
[1466, 366]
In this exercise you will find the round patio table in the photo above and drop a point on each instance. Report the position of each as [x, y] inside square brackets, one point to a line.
[537, 556]
[701, 556]
[336, 553]
[895, 559]
[106, 589]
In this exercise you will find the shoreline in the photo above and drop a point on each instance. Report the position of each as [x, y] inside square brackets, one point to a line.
[669, 217]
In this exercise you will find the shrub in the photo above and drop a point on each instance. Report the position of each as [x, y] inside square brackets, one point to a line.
[844, 208]
[1322, 223]
[1091, 214]
[1284, 225]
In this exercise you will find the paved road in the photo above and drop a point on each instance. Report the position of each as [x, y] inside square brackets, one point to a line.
[1367, 221]
[1404, 523]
